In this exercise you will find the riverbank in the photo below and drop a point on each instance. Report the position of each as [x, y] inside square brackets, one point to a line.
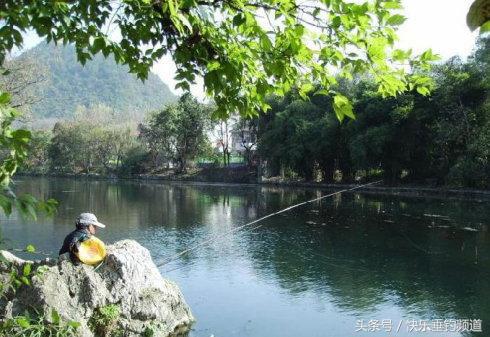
[243, 177]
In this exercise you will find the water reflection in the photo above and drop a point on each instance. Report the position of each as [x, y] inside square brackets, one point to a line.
[312, 271]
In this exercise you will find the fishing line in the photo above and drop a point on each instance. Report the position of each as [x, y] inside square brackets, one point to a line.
[325, 259]
[237, 229]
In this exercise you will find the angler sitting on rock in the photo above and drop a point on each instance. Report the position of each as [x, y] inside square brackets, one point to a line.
[81, 245]
[128, 282]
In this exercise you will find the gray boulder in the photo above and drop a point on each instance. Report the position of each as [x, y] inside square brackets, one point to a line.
[128, 280]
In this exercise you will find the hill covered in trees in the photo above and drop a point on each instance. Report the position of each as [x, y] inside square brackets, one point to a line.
[68, 85]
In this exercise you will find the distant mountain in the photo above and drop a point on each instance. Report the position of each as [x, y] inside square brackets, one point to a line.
[69, 85]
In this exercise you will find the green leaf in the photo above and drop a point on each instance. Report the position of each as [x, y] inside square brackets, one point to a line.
[429, 56]
[485, 28]
[23, 322]
[22, 135]
[322, 92]
[48, 206]
[183, 85]
[74, 324]
[238, 19]
[55, 317]
[392, 5]
[27, 269]
[17, 37]
[213, 65]
[306, 87]
[99, 44]
[265, 43]
[396, 20]
[424, 91]
[6, 204]
[4, 98]
[336, 22]
[342, 107]
[400, 55]
[30, 249]
[376, 50]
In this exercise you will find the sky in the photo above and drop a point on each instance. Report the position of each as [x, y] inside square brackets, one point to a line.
[436, 24]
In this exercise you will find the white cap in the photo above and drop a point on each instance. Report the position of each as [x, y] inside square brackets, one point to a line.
[89, 219]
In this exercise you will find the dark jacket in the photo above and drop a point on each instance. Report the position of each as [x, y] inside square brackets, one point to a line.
[72, 242]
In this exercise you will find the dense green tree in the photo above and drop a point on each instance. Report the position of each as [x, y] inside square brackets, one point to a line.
[442, 139]
[136, 161]
[83, 147]
[158, 133]
[289, 138]
[178, 132]
[71, 149]
[38, 159]
[191, 125]
[326, 135]
[461, 126]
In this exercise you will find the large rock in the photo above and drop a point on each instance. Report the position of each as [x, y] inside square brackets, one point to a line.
[128, 278]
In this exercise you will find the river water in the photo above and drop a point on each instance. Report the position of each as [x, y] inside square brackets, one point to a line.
[352, 265]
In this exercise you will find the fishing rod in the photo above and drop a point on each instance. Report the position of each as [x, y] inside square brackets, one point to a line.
[236, 229]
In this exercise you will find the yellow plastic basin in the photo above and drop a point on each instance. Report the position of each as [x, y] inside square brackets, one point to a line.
[91, 251]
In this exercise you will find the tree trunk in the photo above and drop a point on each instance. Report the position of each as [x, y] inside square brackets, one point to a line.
[328, 171]
[182, 165]
[248, 157]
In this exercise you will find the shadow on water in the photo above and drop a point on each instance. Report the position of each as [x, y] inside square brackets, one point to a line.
[363, 253]
[317, 267]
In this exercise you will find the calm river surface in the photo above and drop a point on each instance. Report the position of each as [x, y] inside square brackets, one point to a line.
[325, 269]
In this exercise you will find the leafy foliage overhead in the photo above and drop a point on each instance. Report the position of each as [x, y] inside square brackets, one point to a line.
[244, 49]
